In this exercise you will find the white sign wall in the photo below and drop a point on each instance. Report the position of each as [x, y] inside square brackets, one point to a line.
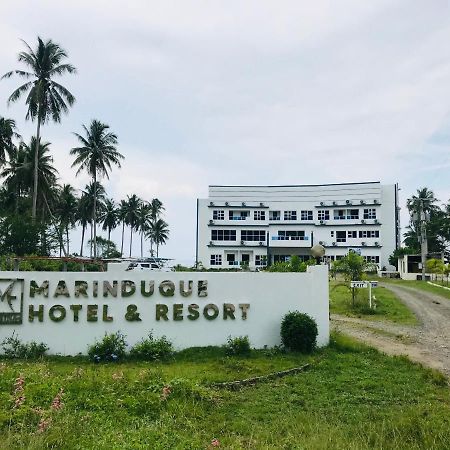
[69, 311]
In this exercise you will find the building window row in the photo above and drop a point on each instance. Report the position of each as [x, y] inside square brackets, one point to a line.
[246, 235]
[342, 236]
[322, 214]
[290, 235]
[253, 235]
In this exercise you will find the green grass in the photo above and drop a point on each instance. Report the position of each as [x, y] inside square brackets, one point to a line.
[388, 306]
[351, 398]
[422, 285]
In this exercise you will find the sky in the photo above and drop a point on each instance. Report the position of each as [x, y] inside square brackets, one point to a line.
[246, 92]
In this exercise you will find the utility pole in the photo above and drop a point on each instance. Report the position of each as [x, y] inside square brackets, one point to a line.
[423, 218]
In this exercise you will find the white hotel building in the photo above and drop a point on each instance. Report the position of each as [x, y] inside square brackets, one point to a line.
[259, 224]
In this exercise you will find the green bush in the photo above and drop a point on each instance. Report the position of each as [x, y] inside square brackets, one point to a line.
[239, 345]
[299, 332]
[110, 348]
[152, 349]
[13, 348]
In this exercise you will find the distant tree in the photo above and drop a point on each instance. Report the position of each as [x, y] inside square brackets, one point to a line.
[159, 232]
[353, 267]
[66, 211]
[131, 216]
[96, 155]
[109, 216]
[106, 248]
[7, 134]
[144, 219]
[46, 99]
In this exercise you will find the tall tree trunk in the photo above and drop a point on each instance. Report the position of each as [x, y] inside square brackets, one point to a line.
[36, 162]
[109, 242]
[123, 233]
[82, 239]
[157, 250]
[67, 237]
[131, 238]
[94, 214]
[90, 249]
[142, 243]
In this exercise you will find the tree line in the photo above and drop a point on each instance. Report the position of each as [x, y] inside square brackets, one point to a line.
[36, 211]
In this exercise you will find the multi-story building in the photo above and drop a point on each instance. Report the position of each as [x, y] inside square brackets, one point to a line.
[255, 225]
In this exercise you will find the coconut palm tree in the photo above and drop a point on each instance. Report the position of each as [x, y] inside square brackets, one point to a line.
[84, 214]
[131, 218]
[93, 192]
[122, 213]
[157, 208]
[96, 155]
[46, 99]
[143, 221]
[7, 134]
[109, 216]
[159, 232]
[424, 200]
[66, 211]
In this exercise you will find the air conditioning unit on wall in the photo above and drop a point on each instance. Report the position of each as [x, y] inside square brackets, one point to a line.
[334, 244]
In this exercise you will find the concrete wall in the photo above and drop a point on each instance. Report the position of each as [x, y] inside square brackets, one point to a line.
[268, 295]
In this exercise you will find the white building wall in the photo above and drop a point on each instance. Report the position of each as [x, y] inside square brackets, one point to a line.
[331, 198]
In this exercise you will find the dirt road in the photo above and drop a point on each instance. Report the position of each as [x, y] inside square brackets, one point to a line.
[427, 343]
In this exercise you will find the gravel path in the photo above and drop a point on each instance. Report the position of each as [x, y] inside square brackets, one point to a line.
[427, 343]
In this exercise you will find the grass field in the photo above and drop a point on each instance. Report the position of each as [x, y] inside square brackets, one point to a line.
[352, 397]
[388, 306]
[423, 285]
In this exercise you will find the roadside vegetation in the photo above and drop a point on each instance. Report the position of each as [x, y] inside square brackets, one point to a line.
[351, 397]
[387, 306]
[422, 285]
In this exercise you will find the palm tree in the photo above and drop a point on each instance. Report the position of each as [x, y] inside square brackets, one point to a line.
[66, 210]
[156, 209]
[109, 216]
[424, 201]
[96, 155]
[122, 213]
[46, 99]
[159, 232]
[143, 221]
[131, 217]
[7, 133]
[93, 192]
[84, 213]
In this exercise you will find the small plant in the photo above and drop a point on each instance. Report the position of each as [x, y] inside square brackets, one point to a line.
[13, 348]
[152, 349]
[110, 348]
[299, 332]
[237, 346]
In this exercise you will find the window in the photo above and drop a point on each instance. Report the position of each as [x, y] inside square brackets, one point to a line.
[274, 215]
[259, 215]
[223, 235]
[291, 235]
[338, 257]
[218, 214]
[306, 215]
[245, 258]
[231, 259]
[369, 234]
[372, 259]
[339, 214]
[260, 260]
[370, 213]
[290, 215]
[352, 213]
[323, 214]
[352, 234]
[341, 236]
[253, 235]
[281, 258]
[238, 215]
[216, 260]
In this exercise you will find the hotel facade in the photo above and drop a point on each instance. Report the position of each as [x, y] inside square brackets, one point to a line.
[259, 225]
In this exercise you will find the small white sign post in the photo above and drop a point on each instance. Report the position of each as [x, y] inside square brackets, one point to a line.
[365, 284]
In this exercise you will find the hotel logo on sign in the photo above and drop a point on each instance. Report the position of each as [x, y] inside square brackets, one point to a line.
[11, 301]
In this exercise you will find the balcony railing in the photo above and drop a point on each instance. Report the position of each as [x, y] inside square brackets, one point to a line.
[238, 218]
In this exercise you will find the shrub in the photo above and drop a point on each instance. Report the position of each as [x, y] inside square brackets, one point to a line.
[299, 332]
[239, 345]
[14, 348]
[152, 349]
[110, 348]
